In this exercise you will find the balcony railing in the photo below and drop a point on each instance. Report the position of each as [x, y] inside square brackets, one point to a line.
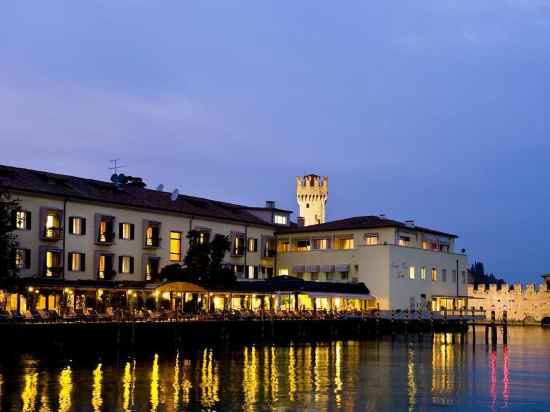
[52, 234]
[54, 271]
[107, 274]
[152, 242]
[106, 238]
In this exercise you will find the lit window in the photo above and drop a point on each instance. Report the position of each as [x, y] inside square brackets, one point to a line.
[280, 219]
[371, 239]
[303, 245]
[238, 245]
[126, 264]
[283, 272]
[344, 243]
[53, 226]
[320, 244]
[283, 245]
[22, 220]
[252, 272]
[412, 272]
[204, 237]
[53, 263]
[404, 240]
[76, 262]
[22, 258]
[126, 231]
[425, 245]
[151, 268]
[175, 246]
[77, 226]
[423, 273]
[105, 229]
[434, 274]
[252, 245]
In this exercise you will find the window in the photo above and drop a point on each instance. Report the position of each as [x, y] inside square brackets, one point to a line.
[371, 239]
[125, 264]
[151, 268]
[152, 235]
[320, 244]
[77, 226]
[126, 231]
[329, 276]
[52, 228]
[404, 240]
[344, 275]
[280, 219]
[252, 245]
[77, 262]
[344, 243]
[434, 274]
[22, 258]
[238, 269]
[269, 248]
[175, 246]
[412, 272]
[425, 245]
[283, 245]
[303, 245]
[252, 272]
[454, 276]
[53, 263]
[283, 272]
[105, 267]
[444, 275]
[238, 245]
[105, 229]
[22, 220]
[423, 273]
[315, 276]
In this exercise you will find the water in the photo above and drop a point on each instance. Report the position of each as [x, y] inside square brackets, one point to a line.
[385, 375]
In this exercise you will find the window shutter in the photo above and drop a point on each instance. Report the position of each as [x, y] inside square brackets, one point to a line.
[27, 258]
[120, 264]
[82, 262]
[132, 231]
[71, 225]
[120, 231]
[28, 219]
[255, 272]
[70, 257]
[131, 264]
[83, 225]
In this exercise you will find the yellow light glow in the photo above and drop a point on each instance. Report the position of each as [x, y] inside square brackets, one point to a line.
[129, 291]
[166, 295]
[100, 292]
[97, 400]
[30, 289]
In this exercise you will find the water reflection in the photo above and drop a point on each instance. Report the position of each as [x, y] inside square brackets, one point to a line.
[413, 375]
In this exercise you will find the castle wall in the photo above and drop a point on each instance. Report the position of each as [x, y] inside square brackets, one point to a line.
[520, 302]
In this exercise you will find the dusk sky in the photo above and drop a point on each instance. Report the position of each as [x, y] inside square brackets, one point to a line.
[437, 111]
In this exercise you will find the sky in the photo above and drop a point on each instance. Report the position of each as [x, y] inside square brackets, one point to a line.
[432, 110]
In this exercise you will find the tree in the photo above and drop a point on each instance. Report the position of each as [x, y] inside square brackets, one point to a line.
[478, 275]
[197, 259]
[217, 272]
[8, 209]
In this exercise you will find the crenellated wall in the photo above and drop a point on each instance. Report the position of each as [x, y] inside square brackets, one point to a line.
[522, 302]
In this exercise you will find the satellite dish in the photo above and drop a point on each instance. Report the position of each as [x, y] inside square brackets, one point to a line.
[160, 187]
[174, 195]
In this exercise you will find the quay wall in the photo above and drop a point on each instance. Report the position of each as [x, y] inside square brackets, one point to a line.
[111, 337]
[522, 303]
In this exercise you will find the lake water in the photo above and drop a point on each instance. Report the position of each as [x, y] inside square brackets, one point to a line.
[403, 374]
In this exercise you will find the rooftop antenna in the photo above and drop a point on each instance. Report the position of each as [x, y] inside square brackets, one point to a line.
[174, 195]
[115, 166]
[160, 187]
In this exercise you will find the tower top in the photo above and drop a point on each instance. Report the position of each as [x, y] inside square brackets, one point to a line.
[312, 195]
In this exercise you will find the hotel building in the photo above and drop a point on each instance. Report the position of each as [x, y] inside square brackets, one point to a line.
[72, 230]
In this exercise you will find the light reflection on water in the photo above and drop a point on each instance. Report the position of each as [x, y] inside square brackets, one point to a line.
[414, 374]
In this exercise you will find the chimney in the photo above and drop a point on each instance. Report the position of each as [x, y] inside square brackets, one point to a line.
[270, 204]
[409, 223]
[301, 221]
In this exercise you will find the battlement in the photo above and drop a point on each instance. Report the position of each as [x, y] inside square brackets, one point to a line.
[507, 289]
[311, 183]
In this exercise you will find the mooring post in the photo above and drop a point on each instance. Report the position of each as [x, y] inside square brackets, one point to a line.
[505, 327]
[493, 329]
[487, 334]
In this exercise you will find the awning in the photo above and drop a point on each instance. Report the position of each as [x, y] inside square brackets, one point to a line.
[338, 295]
[341, 268]
[298, 269]
[180, 287]
[312, 268]
[326, 268]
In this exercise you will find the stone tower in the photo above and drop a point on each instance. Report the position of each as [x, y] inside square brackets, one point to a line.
[312, 195]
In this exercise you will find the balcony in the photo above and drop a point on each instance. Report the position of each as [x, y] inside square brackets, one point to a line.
[52, 234]
[105, 238]
[107, 274]
[54, 271]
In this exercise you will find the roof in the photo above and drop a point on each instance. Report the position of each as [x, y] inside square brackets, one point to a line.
[26, 180]
[275, 209]
[293, 284]
[359, 222]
